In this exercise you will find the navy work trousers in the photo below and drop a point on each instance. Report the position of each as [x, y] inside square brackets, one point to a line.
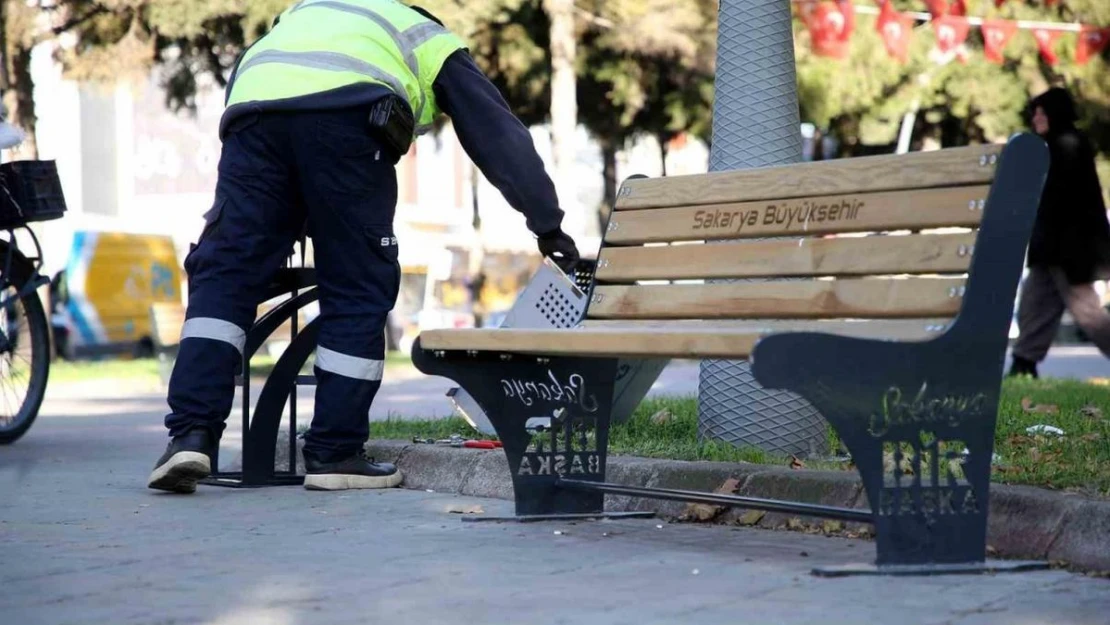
[278, 170]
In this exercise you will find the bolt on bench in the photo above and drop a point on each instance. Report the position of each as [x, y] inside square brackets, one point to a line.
[897, 333]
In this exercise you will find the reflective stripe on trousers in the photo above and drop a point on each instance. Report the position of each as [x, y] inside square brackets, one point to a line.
[349, 366]
[215, 330]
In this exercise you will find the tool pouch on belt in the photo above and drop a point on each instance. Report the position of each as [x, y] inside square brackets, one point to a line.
[391, 121]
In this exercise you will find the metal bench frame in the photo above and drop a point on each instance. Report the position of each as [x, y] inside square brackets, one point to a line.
[551, 412]
[260, 429]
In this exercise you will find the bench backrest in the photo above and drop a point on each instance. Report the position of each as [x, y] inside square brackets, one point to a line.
[878, 238]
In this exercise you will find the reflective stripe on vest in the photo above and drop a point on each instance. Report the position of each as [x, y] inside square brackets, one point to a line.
[214, 330]
[330, 61]
[406, 42]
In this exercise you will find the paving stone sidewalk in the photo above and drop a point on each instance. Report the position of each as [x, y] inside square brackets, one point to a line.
[82, 541]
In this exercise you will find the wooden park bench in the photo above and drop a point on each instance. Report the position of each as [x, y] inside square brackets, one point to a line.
[898, 338]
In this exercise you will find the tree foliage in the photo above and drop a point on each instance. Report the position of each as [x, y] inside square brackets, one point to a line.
[644, 66]
[862, 99]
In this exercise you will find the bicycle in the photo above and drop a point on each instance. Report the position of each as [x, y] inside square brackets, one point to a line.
[30, 191]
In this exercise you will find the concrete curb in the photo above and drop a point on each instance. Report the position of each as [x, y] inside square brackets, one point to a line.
[1025, 522]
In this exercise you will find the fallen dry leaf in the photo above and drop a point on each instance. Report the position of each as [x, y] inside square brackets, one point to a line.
[1028, 406]
[1093, 412]
[794, 523]
[703, 512]
[832, 527]
[662, 417]
[751, 517]
[795, 463]
[1093, 436]
[462, 508]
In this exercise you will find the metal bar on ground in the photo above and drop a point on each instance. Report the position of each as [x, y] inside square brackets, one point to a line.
[770, 505]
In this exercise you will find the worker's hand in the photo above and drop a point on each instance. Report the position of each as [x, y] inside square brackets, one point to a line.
[559, 247]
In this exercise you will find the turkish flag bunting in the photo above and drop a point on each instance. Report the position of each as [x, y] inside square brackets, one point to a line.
[937, 8]
[1092, 41]
[951, 32]
[831, 25]
[1046, 42]
[998, 3]
[996, 35]
[897, 31]
[959, 7]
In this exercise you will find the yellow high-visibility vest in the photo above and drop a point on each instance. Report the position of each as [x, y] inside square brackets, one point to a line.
[321, 45]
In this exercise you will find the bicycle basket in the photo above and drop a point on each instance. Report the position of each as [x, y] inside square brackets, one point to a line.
[33, 193]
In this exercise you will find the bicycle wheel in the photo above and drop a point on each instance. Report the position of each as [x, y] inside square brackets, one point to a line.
[24, 352]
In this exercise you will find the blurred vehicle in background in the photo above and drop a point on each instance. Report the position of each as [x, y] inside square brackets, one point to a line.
[105, 292]
[438, 291]
[421, 307]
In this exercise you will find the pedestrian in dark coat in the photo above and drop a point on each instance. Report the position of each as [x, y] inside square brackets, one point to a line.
[1070, 246]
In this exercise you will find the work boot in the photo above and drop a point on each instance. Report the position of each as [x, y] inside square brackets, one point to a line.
[1022, 366]
[188, 459]
[358, 471]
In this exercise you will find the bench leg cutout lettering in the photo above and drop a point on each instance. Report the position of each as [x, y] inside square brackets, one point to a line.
[552, 416]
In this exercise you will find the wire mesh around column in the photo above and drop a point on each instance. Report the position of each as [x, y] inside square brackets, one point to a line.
[755, 124]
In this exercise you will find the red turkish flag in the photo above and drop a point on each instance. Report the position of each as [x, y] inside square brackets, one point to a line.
[937, 8]
[998, 3]
[1092, 41]
[1050, 3]
[996, 35]
[897, 31]
[831, 25]
[958, 8]
[1046, 42]
[951, 32]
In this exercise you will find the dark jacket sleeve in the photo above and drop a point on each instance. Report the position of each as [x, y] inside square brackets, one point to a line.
[497, 141]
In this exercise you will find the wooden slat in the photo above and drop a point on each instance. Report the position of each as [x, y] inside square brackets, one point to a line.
[867, 327]
[947, 253]
[918, 170]
[675, 342]
[807, 299]
[899, 210]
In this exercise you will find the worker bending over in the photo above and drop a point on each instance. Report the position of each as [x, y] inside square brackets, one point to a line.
[319, 111]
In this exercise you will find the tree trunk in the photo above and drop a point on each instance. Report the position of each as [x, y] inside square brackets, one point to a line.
[21, 103]
[476, 215]
[609, 171]
[663, 152]
[564, 104]
[4, 82]
[477, 256]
